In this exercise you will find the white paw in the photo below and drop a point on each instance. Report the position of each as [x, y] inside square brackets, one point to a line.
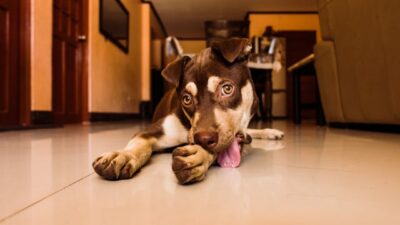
[273, 134]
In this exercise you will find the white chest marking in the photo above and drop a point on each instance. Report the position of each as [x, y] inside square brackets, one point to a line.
[174, 133]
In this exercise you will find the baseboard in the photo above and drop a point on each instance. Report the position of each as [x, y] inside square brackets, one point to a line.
[101, 116]
[42, 117]
[40, 120]
[387, 128]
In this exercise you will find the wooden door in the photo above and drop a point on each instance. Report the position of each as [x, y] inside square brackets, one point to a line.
[67, 61]
[9, 80]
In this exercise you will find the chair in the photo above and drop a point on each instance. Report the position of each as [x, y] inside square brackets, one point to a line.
[357, 62]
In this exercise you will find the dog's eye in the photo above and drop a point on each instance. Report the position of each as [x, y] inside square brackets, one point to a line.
[227, 89]
[187, 99]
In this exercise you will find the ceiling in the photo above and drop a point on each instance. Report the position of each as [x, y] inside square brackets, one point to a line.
[185, 18]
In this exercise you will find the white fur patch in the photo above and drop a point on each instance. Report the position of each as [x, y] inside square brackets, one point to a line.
[174, 133]
[227, 124]
[213, 83]
[191, 88]
[196, 118]
[245, 107]
[270, 134]
[247, 49]
[194, 122]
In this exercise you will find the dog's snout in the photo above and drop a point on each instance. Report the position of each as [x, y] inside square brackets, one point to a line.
[207, 140]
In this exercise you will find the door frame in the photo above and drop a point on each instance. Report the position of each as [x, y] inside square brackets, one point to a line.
[24, 63]
[84, 49]
[85, 63]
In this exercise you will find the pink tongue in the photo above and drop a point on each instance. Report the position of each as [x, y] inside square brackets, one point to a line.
[231, 157]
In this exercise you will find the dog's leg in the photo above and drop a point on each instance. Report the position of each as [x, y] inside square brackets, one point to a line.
[270, 134]
[168, 132]
[190, 163]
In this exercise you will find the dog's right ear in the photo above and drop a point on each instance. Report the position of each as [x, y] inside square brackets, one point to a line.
[174, 70]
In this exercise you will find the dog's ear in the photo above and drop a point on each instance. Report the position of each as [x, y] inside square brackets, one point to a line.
[174, 70]
[233, 49]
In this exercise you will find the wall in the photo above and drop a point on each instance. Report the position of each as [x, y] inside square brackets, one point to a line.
[192, 46]
[258, 22]
[114, 76]
[156, 54]
[145, 43]
[41, 20]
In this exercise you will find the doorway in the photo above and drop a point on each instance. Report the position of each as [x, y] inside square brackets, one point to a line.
[69, 59]
[14, 63]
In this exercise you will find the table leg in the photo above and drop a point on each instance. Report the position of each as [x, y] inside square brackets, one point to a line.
[260, 112]
[296, 98]
[268, 96]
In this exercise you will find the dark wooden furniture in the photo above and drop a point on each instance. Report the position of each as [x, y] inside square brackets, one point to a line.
[303, 69]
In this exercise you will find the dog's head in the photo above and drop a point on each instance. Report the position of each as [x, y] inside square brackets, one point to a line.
[216, 93]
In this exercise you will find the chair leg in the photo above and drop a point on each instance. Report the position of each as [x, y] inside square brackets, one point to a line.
[296, 98]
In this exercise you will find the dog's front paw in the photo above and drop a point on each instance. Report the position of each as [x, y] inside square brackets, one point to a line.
[116, 165]
[190, 163]
[273, 134]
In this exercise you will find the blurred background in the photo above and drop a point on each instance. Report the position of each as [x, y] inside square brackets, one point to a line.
[82, 61]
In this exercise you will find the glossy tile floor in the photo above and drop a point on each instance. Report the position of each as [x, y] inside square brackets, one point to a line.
[314, 176]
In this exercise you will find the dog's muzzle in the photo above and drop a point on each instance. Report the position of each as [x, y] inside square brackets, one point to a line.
[207, 140]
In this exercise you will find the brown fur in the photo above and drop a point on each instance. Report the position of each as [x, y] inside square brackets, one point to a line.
[204, 126]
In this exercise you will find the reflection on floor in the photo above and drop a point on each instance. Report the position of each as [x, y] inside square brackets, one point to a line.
[314, 176]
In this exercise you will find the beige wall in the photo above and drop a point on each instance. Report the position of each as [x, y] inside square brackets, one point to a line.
[115, 78]
[41, 15]
[145, 51]
[258, 22]
[156, 53]
[192, 46]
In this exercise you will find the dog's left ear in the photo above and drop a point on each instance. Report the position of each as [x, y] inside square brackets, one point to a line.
[174, 70]
[233, 49]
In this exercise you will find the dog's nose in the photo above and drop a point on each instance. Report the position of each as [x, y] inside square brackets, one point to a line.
[207, 140]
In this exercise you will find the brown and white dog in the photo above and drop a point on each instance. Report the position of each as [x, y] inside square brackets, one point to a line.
[205, 117]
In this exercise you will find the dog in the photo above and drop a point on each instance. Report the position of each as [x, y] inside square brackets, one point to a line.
[204, 117]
